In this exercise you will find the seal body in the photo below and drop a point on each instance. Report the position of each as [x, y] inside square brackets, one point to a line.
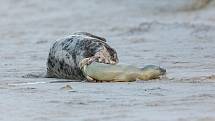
[67, 56]
[122, 73]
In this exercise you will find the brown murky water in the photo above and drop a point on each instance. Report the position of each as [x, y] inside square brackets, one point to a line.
[177, 36]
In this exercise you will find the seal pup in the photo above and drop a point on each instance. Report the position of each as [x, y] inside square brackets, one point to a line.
[69, 55]
[121, 73]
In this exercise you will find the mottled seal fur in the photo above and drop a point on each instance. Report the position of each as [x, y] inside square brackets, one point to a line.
[67, 56]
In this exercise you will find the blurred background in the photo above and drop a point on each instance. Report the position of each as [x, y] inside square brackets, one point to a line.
[178, 35]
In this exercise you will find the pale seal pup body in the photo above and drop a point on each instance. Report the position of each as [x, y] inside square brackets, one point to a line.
[122, 73]
[68, 55]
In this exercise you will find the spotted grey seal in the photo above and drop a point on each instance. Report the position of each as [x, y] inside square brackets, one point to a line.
[68, 55]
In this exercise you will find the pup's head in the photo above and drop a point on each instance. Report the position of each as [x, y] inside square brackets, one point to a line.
[151, 72]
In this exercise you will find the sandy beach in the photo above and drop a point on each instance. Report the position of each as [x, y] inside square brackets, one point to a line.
[176, 35]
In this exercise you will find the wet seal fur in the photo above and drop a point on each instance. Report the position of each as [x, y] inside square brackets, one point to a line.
[69, 55]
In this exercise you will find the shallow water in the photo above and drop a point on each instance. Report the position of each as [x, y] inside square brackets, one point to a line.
[180, 39]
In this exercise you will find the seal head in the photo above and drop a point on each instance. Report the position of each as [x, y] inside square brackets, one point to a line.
[151, 72]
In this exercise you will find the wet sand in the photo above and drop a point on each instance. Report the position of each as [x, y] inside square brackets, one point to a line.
[180, 39]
